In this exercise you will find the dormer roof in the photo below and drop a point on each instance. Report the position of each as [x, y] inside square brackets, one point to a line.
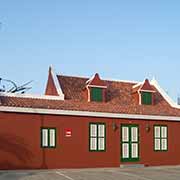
[95, 81]
[144, 86]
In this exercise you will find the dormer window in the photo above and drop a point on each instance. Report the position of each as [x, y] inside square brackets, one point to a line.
[144, 93]
[96, 89]
[96, 94]
[146, 98]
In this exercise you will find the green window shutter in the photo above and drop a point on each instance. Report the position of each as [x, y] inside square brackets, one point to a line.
[96, 94]
[146, 98]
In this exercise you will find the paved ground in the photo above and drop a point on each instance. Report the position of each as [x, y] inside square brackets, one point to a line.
[150, 173]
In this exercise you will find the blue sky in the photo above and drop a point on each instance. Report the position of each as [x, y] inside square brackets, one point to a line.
[128, 40]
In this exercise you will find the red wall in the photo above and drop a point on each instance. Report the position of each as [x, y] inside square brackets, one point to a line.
[20, 143]
[50, 87]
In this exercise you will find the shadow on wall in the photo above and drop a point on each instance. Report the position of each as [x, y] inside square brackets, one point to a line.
[16, 147]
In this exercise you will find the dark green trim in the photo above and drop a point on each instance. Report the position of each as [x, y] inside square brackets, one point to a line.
[96, 94]
[160, 138]
[48, 131]
[97, 136]
[130, 159]
[146, 98]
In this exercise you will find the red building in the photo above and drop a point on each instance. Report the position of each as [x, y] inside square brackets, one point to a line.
[82, 123]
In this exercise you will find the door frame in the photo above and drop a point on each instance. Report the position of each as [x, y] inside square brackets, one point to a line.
[130, 159]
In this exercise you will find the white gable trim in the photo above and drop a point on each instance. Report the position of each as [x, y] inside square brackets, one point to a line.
[90, 79]
[87, 113]
[164, 94]
[57, 84]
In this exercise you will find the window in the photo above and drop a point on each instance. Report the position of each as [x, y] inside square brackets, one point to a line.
[146, 98]
[96, 94]
[97, 137]
[48, 137]
[160, 138]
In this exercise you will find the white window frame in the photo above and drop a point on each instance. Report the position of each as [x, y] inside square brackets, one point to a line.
[98, 137]
[159, 138]
[50, 142]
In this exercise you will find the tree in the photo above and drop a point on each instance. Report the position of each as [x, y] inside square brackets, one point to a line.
[10, 86]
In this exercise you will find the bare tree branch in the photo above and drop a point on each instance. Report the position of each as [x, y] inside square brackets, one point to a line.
[13, 87]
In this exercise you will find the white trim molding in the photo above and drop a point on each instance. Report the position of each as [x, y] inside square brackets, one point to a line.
[90, 79]
[89, 94]
[148, 91]
[57, 84]
[140, 98]
[87, 113]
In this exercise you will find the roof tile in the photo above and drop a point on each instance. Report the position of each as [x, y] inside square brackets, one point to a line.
[120, 100]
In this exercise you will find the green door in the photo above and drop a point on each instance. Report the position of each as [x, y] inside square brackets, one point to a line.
[129, 143]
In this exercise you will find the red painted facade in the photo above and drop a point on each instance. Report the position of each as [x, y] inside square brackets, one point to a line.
[20, 132]
[21, 149]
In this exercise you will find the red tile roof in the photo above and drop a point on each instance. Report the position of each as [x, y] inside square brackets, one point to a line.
[119, 100]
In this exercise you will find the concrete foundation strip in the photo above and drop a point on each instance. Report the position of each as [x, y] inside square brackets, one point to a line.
[133, 175]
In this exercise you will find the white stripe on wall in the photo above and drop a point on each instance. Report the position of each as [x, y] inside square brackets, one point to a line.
[87, 113]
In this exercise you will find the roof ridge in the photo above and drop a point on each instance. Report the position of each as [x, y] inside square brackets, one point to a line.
[121, 81]
[80, 77]
[103, 79]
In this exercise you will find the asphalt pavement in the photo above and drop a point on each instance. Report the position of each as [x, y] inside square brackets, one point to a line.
[142, 173]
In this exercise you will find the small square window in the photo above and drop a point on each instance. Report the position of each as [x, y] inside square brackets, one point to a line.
[96, 94]
[146, 98]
